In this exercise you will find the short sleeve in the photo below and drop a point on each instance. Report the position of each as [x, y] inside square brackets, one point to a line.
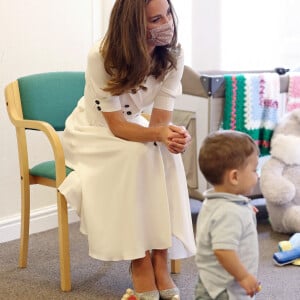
[171, 86]
[226, 229]
[96, 79]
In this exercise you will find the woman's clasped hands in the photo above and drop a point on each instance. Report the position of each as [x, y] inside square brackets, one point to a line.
[176, 138]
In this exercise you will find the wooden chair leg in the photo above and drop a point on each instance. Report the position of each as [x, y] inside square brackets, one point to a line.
[175, 266]
[25, 219]
[64, 248]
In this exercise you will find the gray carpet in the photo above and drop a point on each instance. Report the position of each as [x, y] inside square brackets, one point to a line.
[92, 279]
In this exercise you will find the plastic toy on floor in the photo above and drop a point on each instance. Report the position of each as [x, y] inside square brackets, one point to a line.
[129, 295]
[289, 251]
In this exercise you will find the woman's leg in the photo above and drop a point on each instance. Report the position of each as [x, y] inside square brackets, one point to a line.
[161, 271]
[142, 274]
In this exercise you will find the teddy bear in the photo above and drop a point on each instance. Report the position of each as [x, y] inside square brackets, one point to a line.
[280, 175]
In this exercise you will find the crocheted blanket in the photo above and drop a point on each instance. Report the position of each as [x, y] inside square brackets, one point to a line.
[251, 106]
[293, 98]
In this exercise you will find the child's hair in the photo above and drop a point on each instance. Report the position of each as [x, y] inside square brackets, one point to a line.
[224, 150]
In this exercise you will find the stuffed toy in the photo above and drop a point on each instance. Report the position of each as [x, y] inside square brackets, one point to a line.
[280, 175]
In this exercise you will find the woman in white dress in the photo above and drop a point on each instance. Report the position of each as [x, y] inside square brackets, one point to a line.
[129, 186]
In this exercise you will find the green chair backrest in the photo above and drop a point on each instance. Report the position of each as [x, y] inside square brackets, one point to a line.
[51, 97]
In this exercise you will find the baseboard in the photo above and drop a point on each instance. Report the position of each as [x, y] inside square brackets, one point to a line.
[40, 220]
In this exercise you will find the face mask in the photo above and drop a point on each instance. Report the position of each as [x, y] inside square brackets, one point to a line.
[162, 35]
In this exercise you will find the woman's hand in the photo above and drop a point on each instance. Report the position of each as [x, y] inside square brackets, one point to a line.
[176, 138]
[180, 142]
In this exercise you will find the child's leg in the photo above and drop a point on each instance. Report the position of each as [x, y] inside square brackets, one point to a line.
[202, 294]
[223, 296]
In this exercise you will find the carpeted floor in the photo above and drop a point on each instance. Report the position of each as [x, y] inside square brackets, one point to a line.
[92, 279]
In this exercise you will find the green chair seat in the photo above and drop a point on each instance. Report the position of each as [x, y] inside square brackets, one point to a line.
[47, 169]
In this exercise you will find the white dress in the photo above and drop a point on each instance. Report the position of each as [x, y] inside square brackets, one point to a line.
[131, 197]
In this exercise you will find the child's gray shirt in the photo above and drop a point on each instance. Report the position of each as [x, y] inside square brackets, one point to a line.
[226, 221]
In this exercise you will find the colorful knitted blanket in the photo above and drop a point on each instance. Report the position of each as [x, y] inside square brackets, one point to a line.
[293, 97]
[251, 106]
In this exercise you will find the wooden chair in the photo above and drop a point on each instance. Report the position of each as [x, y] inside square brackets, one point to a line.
[43, 102]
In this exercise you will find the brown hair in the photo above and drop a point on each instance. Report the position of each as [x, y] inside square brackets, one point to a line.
[222, 151]
[125, 51]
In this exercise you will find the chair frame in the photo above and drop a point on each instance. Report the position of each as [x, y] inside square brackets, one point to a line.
[14, 108]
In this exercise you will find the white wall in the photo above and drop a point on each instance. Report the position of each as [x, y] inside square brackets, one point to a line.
[243, 35]
[39, 36]
[252, 38]
[206, 34]
[184, 12]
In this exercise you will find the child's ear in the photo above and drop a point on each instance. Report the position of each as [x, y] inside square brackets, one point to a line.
[233, 176]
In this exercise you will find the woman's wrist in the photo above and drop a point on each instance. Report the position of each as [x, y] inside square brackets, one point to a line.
[158, 137]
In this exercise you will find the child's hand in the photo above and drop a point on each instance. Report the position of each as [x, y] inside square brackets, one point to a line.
[255, 209]
[250, 285]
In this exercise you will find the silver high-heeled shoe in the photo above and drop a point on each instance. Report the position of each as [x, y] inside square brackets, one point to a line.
[131, 295]
[170, 294]
[151, 295]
